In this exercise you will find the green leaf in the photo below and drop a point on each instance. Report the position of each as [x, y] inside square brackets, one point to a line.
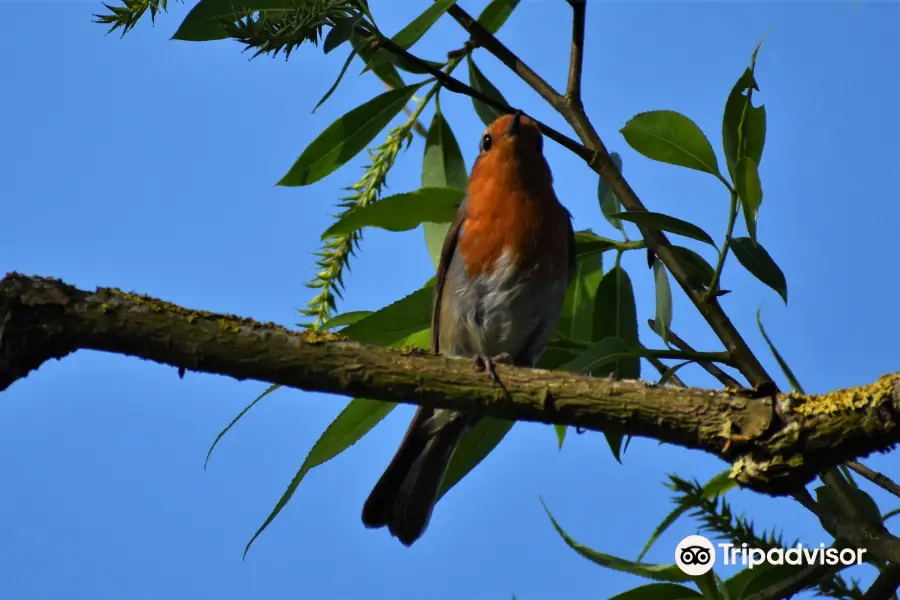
[435, 233]
[718, 485]
[560, 434]
[346, 137]
[204, 22]
[861, 501]
[401, 212]
[385, 70]
[755, 259]
[752, 581]
[663, 300]
[586, 242]
[670, 137]
[577, 318]
[670, 573]
[339, 34]
[413, 32]
[754, 121]
[442, 166]
[347, 318]
[658, 591]
[609, 202]
[781, 362]
[474, 446]
[355, 421]
[708, 584]
[337, 81]
[656, 220]
[234, 421]
[488, 114]
[826, 499]
[615, 316]
[599, 354]
[496, 13]
[749, 188]
[866, 505]
[698, 270]
[670, 372]
[559, 351]
[394, 323]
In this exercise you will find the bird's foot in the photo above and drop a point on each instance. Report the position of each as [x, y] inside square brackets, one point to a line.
[488, 363]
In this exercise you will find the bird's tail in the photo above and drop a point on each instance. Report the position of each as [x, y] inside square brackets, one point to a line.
[406, 493]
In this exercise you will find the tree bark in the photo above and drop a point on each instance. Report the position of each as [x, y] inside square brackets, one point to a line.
[771, 451]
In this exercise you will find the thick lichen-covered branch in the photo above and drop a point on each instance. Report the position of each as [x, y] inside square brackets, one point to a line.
[771, 452]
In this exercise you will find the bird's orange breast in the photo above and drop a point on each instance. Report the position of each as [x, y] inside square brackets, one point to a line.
[525, 221]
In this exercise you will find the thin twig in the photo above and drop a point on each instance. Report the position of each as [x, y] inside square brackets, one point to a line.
[723, 377]
[484, 39]
[456, 86]
[576, 60]
[875, 477]
[417, 125]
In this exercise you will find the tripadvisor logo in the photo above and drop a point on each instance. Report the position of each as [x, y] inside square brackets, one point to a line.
[695, 555]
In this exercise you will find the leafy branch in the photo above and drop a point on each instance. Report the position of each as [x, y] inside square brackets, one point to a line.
[129, 13]
[334, 257]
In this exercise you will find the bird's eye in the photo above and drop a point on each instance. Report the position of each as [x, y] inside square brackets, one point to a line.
[486, 142]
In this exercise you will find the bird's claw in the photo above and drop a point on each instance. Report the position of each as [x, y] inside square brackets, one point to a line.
[488, 363]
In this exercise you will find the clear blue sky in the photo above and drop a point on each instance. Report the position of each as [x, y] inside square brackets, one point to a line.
[149, 164]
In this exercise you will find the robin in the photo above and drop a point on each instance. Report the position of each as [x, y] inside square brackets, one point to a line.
[505, 265]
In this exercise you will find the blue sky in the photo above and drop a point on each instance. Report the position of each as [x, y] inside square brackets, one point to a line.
[149, 164]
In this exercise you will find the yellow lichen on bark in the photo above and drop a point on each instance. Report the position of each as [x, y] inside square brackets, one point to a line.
[850, 399]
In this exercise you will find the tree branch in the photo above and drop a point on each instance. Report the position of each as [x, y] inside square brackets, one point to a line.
[483, 38]
[417, 125]
[573, 87]
[456, 86]
[874, 537]
[41, 319]
[875, 477]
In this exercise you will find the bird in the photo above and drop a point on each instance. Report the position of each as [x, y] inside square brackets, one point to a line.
[506, 262]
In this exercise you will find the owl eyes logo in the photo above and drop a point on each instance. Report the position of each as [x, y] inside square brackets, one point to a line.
[695, 555]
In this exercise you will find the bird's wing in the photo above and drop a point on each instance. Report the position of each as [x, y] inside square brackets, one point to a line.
[447, 252]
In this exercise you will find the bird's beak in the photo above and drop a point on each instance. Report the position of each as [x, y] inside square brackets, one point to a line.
[514, 124]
